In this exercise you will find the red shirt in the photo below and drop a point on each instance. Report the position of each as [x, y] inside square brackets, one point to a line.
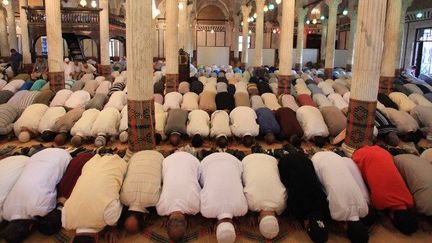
[305, 99]
[387, 187]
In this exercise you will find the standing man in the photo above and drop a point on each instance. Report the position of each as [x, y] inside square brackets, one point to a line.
[15, 61]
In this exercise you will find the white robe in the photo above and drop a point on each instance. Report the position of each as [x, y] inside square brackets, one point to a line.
[198, 123]
[243, 122]
[83, 127]
[107, 123]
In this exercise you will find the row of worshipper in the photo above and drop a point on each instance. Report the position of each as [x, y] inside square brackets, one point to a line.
[90, 192]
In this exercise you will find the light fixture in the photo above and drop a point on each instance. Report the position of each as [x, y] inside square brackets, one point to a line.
[271, 6]
[5, 2]
[83, 3]
[212, 31]
[278, 2]
[242, 23]
[255, 16]
[274, 31]
[308, 21]
[93, 3]
[345, 12]
[155, 10]
[250, 31]
[322, 17]
[266, 8]
[180, 6]
[419, 15]
[314, 21]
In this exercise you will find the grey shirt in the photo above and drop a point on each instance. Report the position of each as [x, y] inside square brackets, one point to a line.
[176, 121]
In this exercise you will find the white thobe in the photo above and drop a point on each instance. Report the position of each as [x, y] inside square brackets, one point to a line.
[338, 101]
[271, 101]
[190, 101]
[243, 122]
[61, 97]
[222, 193]
[172, 101]
[117, 100]
[78, 99]
[312, 122]
[220, 124]
[198, 123]
[50, 117]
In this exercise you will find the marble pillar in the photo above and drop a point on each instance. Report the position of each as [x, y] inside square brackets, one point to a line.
[391, 44]
[399, 57]
[235, 39]
[55, 45]
[352, 10]
[366, 73]
[286, 47]
[183, 25]
[324, 24]
[259, 33]
[245, 45]
[4, 42]
[13, 40]
[161, 41]
[189, 38]
[104, 67]
[25, 40]
[301, 13]
[139, 25]
[331, 37]
[172, 46]
[268, 34]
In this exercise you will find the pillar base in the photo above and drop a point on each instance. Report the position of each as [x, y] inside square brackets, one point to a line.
[56, 80]
[141, 125]
[349, 67]
[284, 84]
[104, 70]
[361, 120]
[328, 73]
[298, 67]
[171, 84]
[386, 85]
[27, 68]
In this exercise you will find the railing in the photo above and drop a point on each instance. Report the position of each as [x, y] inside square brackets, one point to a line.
[117, 20]
[36, 15]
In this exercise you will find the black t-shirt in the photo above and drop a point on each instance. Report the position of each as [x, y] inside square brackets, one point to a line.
[225, 101]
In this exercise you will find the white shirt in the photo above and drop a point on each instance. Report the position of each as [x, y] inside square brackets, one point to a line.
[78, 99]
[124, 119]
[241, 87]
[403, 102]
[10, 170]
[172, 101]
[61, 97]
[198, 123]
[160, 119]
[50, 117]
[14, 85]
[30, 118]
[68, 69]
[220, 124]
[84, 125]
[107, 123]
[301, 88]
[420, 100]
[117, 100]
[321, 100]
[271, 101]
[104, 87]
[312, 122]
[263, 188]
[180, 186]
[326, 88]
[338, 101]
[289, 101]
[346, 200]
[190, 101]
[210, 86]
[243, 122]
[34, 193]
[222, 193]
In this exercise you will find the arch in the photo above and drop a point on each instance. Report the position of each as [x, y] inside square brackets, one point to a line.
[89, 47]
[211, 12]
[40, 47]
[218, 3]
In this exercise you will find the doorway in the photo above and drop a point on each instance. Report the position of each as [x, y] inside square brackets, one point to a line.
[423, 52]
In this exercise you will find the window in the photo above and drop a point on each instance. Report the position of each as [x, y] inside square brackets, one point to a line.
[241, 42]
[44, 45]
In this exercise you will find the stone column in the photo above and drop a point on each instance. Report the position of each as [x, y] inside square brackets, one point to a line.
[366, 72]
[323, 40]
[235, 39]
[301, 13]
[245, 12]
[391, 43]
[104, 67]
[259, 33]
[182, 23]
[25, 37]
[189, 38]
[351, 37]
[286, 47]
[268, 34]
[171, 47]
[13, 41]
[140, 86]
[399, 57]
[161, 41]
[331, 37]
[55, 45]
[4, 42]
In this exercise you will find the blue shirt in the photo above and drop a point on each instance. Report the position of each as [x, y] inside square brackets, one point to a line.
[267, 121]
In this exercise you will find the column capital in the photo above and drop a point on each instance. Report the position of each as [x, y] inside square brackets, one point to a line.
[246, 10]
[259, 3]
[406, 4]
[333, 3]
[302, 12]
[183, 1]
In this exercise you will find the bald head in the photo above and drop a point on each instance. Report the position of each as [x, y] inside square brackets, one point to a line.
[176, 226]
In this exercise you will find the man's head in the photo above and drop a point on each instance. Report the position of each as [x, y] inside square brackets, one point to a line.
[197, 141]
[13, 51]
[268, 224]
[48, 136]
[317, 229]
[84, 239]
[67, 60]
[175, 139]
[17, 231]
[24, 136]
[76, 141]
[134, 222]
[176, 226]
[222, 141]
[76, 62]
[100, 141]
[392, 139]
[269, 138]
[320, 141]
[60, 139]
[405, 221]
[295, 140]
[225, 232]
[123, 137]
[248, 140]
[51, 223]
[357, 232]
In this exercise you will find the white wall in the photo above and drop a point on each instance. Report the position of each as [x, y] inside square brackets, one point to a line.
[213, 55]
[268, 57]
[341, 58]
[309, 55]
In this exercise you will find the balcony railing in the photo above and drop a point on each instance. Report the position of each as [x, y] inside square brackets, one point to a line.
[69, 16]
[117, 20]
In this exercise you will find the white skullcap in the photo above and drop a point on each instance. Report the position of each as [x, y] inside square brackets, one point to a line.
[225, 233]
[269, 227]
[66, 59]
